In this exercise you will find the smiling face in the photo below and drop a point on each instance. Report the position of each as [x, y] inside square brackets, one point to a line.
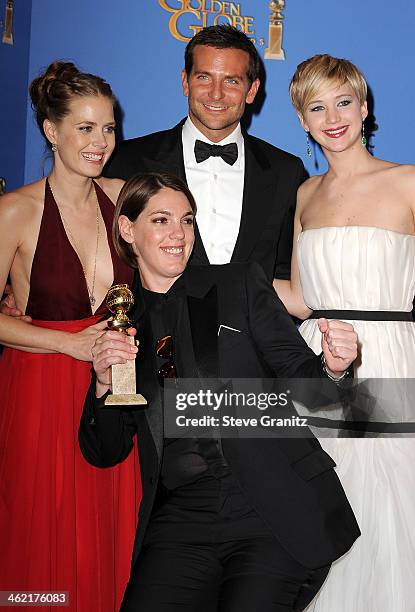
[334, 117]
[162, 237]
[218, 89]
[85, 137]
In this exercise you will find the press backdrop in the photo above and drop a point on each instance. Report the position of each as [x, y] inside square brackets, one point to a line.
[134, 45]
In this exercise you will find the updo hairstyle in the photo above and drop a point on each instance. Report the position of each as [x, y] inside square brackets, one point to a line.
[52, 92]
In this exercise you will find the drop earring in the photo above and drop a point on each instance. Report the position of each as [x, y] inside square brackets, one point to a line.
[364, 139]
[309, 151]
[54, 147]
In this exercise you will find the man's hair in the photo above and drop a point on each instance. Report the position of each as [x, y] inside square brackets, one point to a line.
[320, 71]
[224, 37]
[133, 199]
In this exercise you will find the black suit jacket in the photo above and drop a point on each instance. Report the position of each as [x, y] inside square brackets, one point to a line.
[272, 178]
[290, 482]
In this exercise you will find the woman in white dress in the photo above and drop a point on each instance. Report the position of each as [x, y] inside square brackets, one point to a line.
[354, 252]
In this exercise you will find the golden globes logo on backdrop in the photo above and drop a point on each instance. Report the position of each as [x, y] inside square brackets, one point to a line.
[189, 16]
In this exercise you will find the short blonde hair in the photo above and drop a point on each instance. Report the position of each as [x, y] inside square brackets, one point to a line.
[320, 70]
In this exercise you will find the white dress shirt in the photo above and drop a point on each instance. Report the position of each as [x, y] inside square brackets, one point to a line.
[218, 190]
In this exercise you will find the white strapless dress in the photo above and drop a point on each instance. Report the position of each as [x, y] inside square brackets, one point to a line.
[368, 268]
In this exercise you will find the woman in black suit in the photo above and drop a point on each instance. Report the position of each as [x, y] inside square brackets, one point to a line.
[225, 523]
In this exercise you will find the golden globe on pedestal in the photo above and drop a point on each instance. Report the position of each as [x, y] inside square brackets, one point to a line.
[274, 49]
[119, 300]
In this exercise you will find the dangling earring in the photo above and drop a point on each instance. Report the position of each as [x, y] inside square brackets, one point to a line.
[309, 151]
[54, 147]
[364, 139]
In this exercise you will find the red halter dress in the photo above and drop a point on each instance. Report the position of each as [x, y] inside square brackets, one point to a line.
[64, 525]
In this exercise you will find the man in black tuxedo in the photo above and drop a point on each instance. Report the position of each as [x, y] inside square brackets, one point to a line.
[245, 206]
[246, 200]
[225, 524]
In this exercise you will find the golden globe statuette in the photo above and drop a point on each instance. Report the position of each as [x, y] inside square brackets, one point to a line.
[119, 300]
[7, 37]
[274, 49]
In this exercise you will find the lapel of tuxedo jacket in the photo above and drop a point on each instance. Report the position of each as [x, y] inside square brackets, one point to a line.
[170, 159]
[145, 369]
[199, 255]
[147, 366]
[260, 184]
[202, 303]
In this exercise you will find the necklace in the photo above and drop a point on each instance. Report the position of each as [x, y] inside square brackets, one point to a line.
[91, 289]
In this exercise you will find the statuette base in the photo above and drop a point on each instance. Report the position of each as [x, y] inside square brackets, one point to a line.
[127, 399]
[275, 56]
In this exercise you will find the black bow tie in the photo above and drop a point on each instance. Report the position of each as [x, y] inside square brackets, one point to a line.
[204, 150]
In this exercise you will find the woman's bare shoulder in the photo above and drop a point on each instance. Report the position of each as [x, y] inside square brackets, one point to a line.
[23, 202]
[401, 177]
[403, 170]
[111, 187]
[392, 170]
[404, 183]
[307, 190]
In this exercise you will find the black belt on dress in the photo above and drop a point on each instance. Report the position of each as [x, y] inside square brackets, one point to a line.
[363, 315]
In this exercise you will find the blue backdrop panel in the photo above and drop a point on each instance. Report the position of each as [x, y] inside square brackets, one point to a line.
[130, 44]
[14, 62]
